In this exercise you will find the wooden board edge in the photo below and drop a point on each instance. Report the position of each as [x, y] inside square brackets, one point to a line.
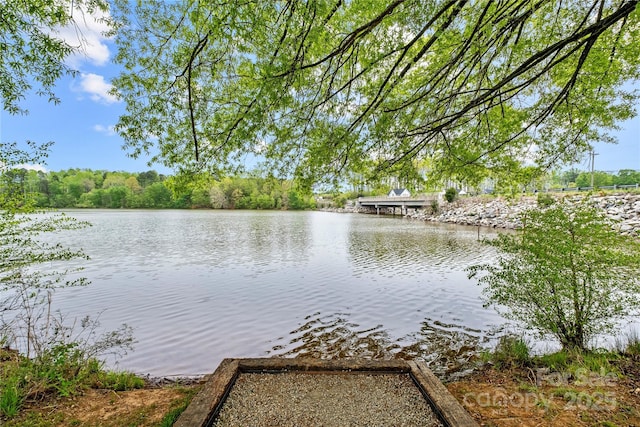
[211, 397]
[442, 401]
[322, 365]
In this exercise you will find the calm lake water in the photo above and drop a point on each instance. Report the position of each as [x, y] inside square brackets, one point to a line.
[199, 286]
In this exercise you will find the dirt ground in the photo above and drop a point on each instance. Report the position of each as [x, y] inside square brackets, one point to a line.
[521, 398]
[527, 398]
[106, 408]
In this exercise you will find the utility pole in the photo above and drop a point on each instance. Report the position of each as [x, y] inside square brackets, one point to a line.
[593, 159]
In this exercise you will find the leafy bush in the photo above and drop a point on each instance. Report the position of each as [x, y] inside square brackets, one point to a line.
[510, 352]
[568, 273]
[450, 194]
[61, 369]
[340, 201]
[435, 207]
[545, 200]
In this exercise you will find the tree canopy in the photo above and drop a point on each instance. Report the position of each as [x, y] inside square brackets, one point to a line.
[319, 87]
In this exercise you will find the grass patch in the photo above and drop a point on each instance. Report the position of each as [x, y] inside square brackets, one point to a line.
[178, 408]
[10, 397]
[632, 346]
[62, 371]
[580, 365]
[547, 405]
[554, 361]
[565, 392]
[36, 419]
[564, 368]
[598, 360]
[511, 352]
[527, 387]
[118, 381]
[161, 407]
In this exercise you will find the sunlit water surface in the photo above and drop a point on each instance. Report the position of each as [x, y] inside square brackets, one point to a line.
[199, 286]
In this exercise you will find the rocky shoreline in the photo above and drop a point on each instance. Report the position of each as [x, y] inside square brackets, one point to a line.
[500, 212]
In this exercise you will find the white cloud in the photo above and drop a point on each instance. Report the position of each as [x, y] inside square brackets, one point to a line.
[27, 166]
[87, 34]
[107, 130]
[30, 167]
[260, 146]
[97, 88]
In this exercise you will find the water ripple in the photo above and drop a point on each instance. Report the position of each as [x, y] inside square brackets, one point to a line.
[199, 286]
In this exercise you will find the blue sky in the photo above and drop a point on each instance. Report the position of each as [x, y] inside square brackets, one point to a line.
[82, 124]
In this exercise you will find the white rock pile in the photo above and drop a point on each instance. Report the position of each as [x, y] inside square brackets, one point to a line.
[499, 212]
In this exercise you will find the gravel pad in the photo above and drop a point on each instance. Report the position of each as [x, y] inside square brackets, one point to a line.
[325, 399]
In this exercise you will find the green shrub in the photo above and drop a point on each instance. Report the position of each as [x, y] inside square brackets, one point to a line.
[435, 207]
[340, 201]
[545, 200]
[450, 194]
[566, 273]
[61, 371]
[510, 352]
[61, 368]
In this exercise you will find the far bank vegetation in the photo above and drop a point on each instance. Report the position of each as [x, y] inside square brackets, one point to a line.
[85, 188]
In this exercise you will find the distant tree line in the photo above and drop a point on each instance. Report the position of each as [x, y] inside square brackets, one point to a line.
[534, 178]
[555, 180]
[84, 188]
[576, 178]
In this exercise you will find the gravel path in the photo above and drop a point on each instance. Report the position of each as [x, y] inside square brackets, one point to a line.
[325, 399]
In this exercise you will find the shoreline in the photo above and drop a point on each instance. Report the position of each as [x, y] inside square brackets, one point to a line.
[492, 396]
[502, 212]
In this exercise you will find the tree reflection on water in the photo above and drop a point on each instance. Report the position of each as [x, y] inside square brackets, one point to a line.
[335, 337]
[450, 350]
